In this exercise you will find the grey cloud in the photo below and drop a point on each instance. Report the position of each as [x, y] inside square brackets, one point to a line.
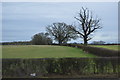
[30, 18]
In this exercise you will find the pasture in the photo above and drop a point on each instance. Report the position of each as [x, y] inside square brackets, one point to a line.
[19, 61]
[42, 51]
[111, 47]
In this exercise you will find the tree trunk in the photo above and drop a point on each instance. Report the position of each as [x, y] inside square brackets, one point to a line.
[85, 41]
[60, 42]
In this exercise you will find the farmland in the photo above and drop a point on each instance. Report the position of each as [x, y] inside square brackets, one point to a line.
[51, 61]
[111, 47]
[42, 51]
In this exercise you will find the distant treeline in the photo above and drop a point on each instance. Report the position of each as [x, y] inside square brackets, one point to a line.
[17, 43]
[107, 44]
[30, 43]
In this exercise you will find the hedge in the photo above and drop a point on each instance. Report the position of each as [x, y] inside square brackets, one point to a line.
[17, 68]
[96, 51]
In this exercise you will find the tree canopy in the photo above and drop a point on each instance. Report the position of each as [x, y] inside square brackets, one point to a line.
[61, 32]
[41, 39]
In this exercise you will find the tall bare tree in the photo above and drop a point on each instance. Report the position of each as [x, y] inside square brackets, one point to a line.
[87, 24]
[61, 32]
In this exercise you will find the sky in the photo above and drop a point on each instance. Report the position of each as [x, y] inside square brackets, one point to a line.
[21, 20]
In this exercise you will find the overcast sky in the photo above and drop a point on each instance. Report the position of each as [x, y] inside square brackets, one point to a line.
[21, 20]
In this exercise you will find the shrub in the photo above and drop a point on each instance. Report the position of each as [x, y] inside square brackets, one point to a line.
[59, 66]
[96, 51]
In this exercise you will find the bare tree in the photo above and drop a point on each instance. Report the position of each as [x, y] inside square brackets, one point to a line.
[87, 25]
[61, 32]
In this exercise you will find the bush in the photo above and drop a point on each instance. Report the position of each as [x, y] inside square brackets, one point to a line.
[96, 51]
[22, 68]
[41, 39]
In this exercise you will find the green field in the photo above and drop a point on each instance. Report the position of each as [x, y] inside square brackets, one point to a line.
[112, 47]
[42, 51]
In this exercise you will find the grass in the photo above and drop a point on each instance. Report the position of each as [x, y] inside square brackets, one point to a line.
[42, 51]
[112, 47]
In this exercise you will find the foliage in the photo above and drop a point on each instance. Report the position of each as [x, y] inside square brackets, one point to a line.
[83, 67]
[41, 39]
